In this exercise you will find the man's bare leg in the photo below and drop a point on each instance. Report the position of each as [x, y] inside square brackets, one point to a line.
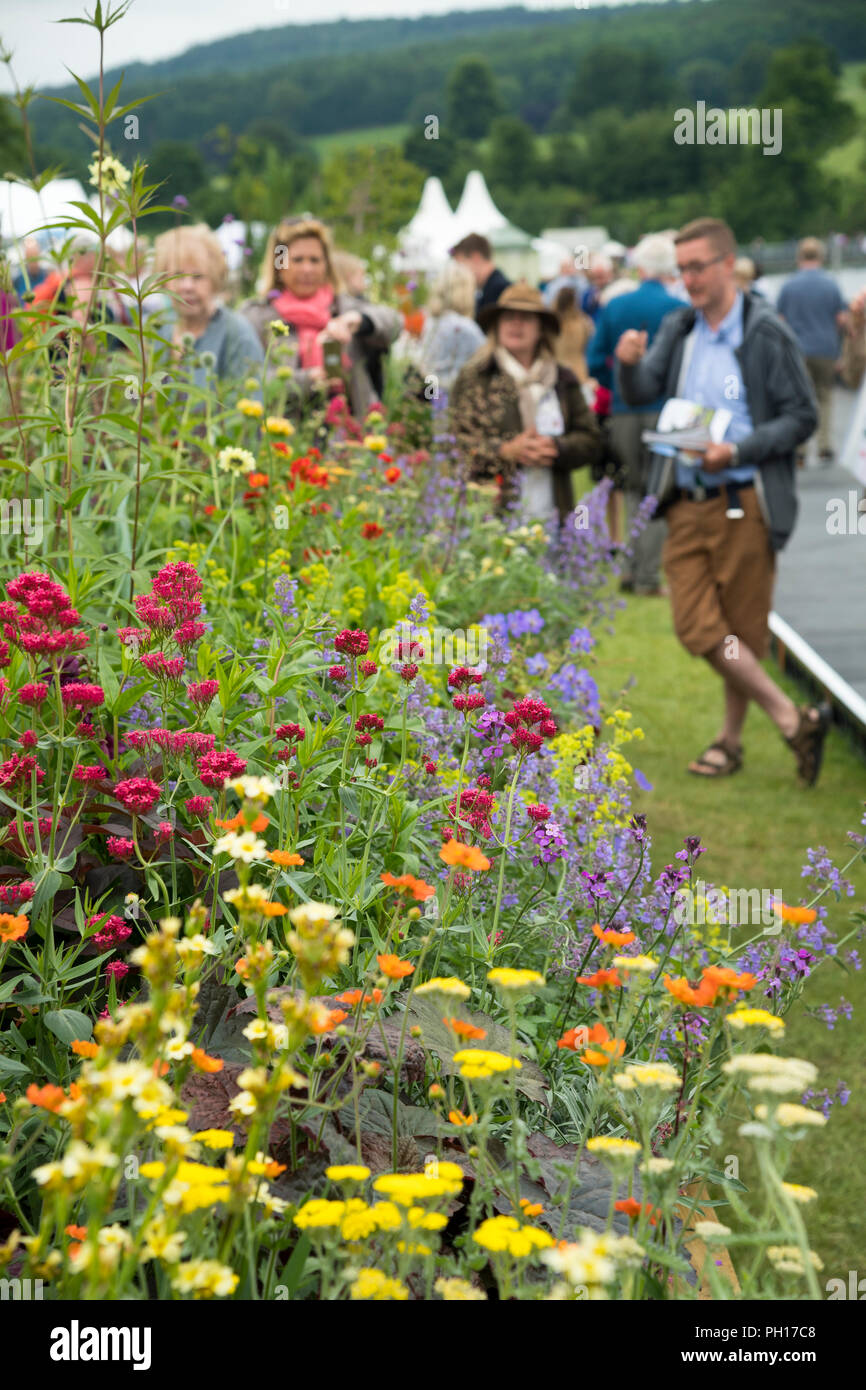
[745, 679]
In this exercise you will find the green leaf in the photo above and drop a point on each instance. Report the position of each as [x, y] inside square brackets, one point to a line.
[46, 887]
[67, 1024]
[10, 1066]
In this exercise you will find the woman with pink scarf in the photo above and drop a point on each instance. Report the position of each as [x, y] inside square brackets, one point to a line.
[301, 290]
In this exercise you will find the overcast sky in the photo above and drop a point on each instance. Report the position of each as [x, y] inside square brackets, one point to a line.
[161, 28]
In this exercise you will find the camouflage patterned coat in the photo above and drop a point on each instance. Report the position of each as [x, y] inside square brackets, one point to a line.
[485, 413]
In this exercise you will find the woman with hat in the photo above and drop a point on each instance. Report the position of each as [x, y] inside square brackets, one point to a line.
[518, 415]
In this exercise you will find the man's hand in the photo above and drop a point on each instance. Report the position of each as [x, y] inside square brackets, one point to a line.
[540, 451]
[631, 346]
[716, 457]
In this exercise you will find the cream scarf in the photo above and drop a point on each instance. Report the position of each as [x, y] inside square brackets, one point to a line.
[533, 384]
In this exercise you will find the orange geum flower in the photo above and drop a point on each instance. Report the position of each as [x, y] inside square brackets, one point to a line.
[48, 1097]
[458, 1118]
[12, 928]
[272, 909]
[464, 1029]
[393, 474]
[353, 997]
[273, 1169]
[611, 937]
[394, 967]
[202, 1062]
[257, 479]
[466, 856]
[799, 916]
[83, 1048]
[701, 996]
[633, 1209]
[573, 1039]
[721, 978]
[322, 1020]
[258, 822]
[76, 1232]
[241, 967]
[602, 979]
[610, 1047]
[531, 1208]
[286, 858]
[406, 883]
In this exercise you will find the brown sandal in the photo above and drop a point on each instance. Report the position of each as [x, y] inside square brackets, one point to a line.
[808, 741]
[705, 767]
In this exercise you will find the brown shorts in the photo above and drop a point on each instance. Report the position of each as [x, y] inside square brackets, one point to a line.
[720, 573]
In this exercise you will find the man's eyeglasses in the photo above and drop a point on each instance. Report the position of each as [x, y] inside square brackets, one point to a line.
[698, 267]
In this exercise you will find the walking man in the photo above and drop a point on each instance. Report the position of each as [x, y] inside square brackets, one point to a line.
[813, 306]
[476, 253]
[729, 516]
[643, 308]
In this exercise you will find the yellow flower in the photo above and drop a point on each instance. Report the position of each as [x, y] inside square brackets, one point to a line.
[711, 1230]
[764, 1071]
[790, 1116]
[359, 1222]
[447, 984]
[236, 461]
[373, 1285]
[788, 1259]
[319, 1213]
[756, 1018]
[375, 442]
[347, 1172]
[479, 1064]
[277, 424]
[611, 1147]
[252, 409]
[388, 1216]
[515, 981]
[459, 1291]
[409, 1188]
[109, 172]
[215, 1138]
[505, 1234]
[800, 1194]
[421, 1220]
[641, 965]
[658, 1074]
[205, 1279]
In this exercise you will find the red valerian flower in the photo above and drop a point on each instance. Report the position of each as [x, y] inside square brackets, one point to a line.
[81, 695]
[285, 733]
[117, 968]
[138, 794]
[215, 769]
[119, 848]
[368, 668]
[462, 677]
[430, 768]
[28, 739]
[352, 642]
[202, 692]
[163, 667]
[17, 771]
[89, 774]
[338, 673]
[11, 893]
[539, 813]
[33, 694]
[198, 806]
[369, 721]
[408, 672]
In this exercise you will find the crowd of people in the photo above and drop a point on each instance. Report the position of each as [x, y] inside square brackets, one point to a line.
[541, 382]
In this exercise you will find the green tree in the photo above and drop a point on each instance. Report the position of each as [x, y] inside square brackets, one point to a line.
[368, 194]
[473, 101]
[630, 79]
[13, 150]
[511, 161]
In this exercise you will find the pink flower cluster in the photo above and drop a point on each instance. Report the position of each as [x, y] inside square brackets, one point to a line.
[113, 931]
[183, 743]
[522, 717]
[198, 806]
[79, 695]
[215, 769]
[17, 770]
[202, 692]
[47, 625]
[119, 848]
[475, 807]
[13, 893]
[169, 613]
[89, 774]
[352, 642]
[137, 794]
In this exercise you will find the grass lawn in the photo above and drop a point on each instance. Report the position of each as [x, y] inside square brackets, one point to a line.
[326, 145]
[758, 826]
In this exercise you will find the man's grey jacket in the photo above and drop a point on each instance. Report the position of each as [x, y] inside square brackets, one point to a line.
[779, 393]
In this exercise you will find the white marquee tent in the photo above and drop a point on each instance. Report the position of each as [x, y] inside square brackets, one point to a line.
[22, 210]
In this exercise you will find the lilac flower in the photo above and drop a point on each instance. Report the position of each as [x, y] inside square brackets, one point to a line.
[671, 879]
[179, 201]
[581, 640]
[536, 664]
[551, 842]
[525, 623]
[642, 781]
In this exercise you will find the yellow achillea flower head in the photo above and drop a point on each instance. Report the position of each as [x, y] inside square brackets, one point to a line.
[788, 1259]
[610, 1147]
[506, 1235]
[215, 1138]
[319, 1213]
[659, 1074]
[756, 1018]
[459, 1291]
[447, 984]
[252, 409]
[347, 1172]
[798, 1193]
[790, 1116]
[205, 1279]
[372, 1284]
[479, 1064]
[515, 981]
[640, 965]
[408, 1188]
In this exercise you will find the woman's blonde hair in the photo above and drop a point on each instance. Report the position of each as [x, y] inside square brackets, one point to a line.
[285, 235]
[455, 290]
[171, 247]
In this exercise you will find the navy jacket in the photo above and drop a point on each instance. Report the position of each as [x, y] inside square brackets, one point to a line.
[644, 308]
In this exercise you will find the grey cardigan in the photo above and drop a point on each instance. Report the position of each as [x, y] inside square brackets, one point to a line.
[781, 400]
[382, 326]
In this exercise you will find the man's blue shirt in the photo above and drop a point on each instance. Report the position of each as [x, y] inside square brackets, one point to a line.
[714, 379]
[643, 308]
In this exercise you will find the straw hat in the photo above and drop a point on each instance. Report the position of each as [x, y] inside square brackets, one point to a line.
[519, 298]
